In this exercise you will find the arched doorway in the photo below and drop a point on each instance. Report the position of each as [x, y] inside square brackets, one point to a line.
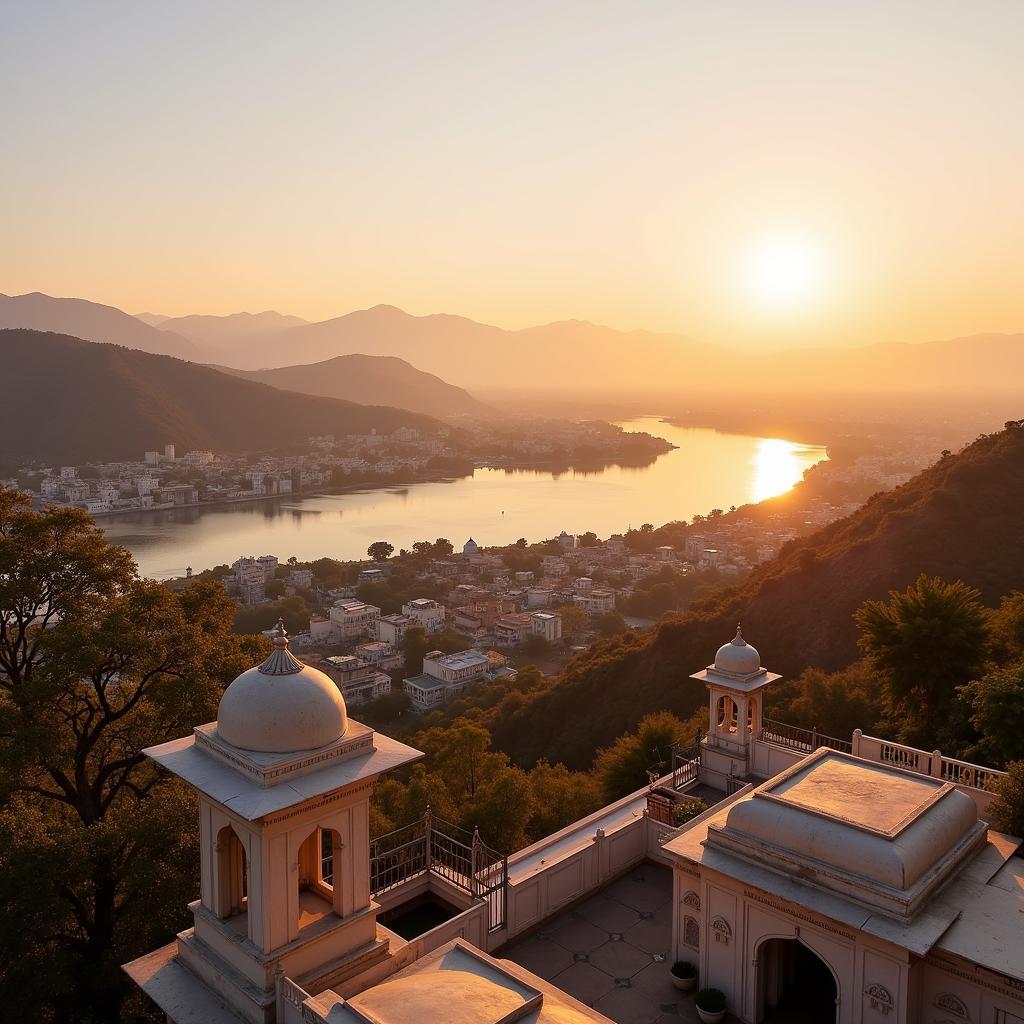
[795, 986]
[232, 877]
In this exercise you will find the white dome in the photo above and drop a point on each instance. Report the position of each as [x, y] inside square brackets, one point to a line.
[282, 705]
[738, 657]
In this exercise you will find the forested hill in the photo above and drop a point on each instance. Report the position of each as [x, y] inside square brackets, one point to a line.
[72, 400]
[961, 519]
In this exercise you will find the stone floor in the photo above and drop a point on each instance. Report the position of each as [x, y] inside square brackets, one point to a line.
[612, 951]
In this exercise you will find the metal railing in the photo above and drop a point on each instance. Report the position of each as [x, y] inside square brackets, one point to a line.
[449, 851]
[795, 738]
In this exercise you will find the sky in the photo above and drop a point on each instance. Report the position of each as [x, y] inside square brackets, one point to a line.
[754, 173]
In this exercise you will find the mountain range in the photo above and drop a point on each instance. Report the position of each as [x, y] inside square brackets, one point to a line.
[374, 380]
[796, 609]
[109, 402]
[568, 355]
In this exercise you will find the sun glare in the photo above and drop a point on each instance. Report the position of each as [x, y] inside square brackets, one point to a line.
[784, 271]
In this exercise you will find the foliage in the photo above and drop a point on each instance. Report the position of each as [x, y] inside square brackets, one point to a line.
[710, 1000]
[623, 766]
[95, 665]
[574, 618]
[258, 617]
[834, 703]
[380, 550]
[925, 641]
[684, 969]
[996, 701]
[1006, 811]
[687, 810]
[610, 623]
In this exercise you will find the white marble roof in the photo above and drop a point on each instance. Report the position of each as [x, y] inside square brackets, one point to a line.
[250, 800]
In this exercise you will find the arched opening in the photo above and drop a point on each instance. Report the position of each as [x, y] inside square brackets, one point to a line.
[751, 713]
[691, 932]
[795, 986]
[319, 882]
[727, 712]
[232, 894]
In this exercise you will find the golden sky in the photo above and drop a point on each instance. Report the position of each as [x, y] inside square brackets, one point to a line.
[747, 172]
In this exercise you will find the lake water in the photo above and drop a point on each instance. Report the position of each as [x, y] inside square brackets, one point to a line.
[707, 470]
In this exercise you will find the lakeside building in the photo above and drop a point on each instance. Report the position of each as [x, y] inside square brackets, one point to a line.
[547, 625]
[428, 613]
[831, 881]
[391, 628]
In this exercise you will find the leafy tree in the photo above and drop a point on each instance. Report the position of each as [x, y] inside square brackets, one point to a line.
[559, 797]
[275, 589]
[1007, 809]
[622, 767]
[611, 624]
[834, 703]
[574, 618]
[1006, 624]
[95, 845]
[925, 640]
[414, 646]
[996, 701]
[443, 547]
[380, 550]
[588, 539]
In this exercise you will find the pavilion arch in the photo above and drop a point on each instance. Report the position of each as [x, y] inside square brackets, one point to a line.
[316, 894]
[232, 891]
[769, 975]
[727, 714]
[751, 714]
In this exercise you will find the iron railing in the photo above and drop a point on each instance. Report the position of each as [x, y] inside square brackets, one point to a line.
[449, 851]
[795, 738]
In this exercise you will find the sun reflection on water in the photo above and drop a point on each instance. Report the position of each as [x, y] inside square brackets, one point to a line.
[778, 466]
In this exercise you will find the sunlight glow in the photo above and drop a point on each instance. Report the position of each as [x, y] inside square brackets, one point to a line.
[778, 466]
[784, 271]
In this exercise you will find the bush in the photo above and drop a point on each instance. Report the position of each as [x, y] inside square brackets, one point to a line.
[684, 969]
[687, 810]
[711, 1000]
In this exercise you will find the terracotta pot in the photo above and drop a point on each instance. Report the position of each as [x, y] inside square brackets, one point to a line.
[710, 1018]
[684, 984]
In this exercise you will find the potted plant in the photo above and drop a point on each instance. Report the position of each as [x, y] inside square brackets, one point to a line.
[710, 1005]
[684, 975]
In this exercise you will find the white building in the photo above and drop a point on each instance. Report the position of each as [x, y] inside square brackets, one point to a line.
[428, 613]
[359, 681]
[471, 547]
[547, 625]
[353, 619]
[444, 676]
[391, 628]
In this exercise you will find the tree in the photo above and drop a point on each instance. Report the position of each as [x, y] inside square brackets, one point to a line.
[95, 665]
[611, 624]
[275, 589]
[560, 797]
[588, 539]
[996, 701]
[414, 646]
[443, 547]
[623, 766]
[925, 640]
[380, 550]
[1006, 812]
[574, 618]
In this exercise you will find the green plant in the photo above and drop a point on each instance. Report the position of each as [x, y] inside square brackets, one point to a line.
[687, 810]
[711, 1000]
[684, 969]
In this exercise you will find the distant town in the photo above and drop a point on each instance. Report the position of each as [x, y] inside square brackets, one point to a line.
[165, 479]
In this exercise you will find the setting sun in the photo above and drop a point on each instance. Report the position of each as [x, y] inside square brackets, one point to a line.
[784, 271]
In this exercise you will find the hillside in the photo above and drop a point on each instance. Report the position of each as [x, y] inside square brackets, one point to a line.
[215, 332]
[797, 609]
[467, 353]
[91, 321]
[109, 402]
[376, 380]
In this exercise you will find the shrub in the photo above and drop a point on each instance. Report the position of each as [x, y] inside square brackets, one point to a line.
[684, 969]
[711, 1000]
[687, 810]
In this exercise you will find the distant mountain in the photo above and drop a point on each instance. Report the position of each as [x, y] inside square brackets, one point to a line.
[798, 608]
[234, 329]
[91, 321]
[377, 380]
[75, 400]
[153, 319]
[572, 353]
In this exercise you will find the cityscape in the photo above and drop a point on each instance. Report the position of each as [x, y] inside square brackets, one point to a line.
[512, 513]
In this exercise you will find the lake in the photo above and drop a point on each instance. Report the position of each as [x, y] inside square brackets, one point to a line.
[707, 470]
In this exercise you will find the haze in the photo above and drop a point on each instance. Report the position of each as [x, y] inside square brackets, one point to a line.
[782, 174]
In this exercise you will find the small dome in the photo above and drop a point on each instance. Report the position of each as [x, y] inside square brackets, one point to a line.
[282, 705]
[738, 657]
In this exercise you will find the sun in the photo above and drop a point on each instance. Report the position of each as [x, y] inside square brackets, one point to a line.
[785, 270]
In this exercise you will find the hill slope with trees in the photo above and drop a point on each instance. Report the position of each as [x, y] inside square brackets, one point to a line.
[374, 379]
[109, 402]
[960, 519]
